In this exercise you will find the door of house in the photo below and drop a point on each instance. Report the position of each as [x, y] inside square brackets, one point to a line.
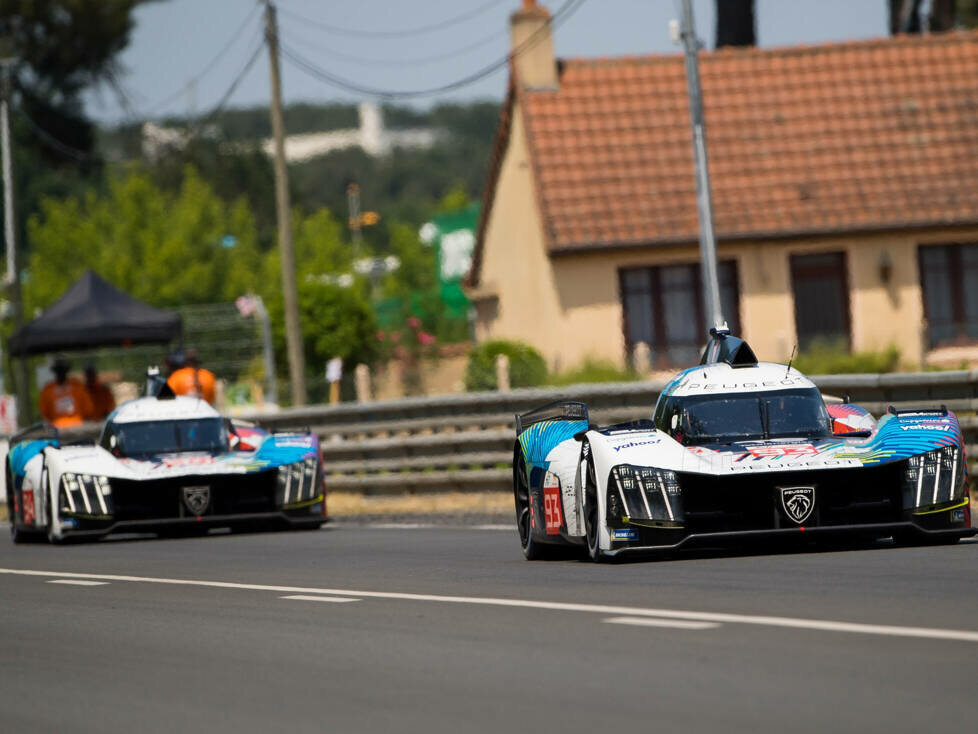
[820, 286]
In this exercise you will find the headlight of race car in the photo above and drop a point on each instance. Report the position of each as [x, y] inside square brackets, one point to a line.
[934, 478]
[298, 482]
[85, 494]
[646, 494]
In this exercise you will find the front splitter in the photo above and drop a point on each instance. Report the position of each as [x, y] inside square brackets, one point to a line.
[701, 540]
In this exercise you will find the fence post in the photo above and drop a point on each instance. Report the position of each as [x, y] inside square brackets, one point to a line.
[361, 378]
[502, 373]
[641, 358]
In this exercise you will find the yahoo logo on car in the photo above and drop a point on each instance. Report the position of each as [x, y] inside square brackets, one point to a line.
[634, 444]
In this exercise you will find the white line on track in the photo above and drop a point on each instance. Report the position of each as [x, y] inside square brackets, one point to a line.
[78, 582]
[311, 597]
[648, 622]
[424, 526]
[720, 617]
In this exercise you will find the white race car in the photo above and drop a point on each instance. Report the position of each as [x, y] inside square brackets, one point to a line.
[736, 451]
[167, 465]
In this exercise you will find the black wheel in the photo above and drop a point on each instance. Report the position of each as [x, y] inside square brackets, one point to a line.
[17, 535]
[532, 550]
[589, 498]
[52, 538]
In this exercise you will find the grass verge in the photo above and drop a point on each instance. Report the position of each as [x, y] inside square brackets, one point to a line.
[343, 504]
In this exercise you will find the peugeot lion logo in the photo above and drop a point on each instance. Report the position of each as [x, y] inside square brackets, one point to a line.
[197, 499]
[798, 502]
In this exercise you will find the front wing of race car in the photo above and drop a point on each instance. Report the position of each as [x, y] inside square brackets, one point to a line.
[632, 489]
[77, 492]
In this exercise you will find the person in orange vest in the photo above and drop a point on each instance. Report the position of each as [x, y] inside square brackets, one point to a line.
[192, 379]
[64, 401]
[102, 401]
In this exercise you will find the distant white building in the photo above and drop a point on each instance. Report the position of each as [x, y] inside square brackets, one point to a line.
[370, 135]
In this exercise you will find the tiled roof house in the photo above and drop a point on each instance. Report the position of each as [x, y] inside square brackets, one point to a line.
[845, 198]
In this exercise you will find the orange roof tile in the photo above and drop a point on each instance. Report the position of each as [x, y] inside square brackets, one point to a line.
[862, 135]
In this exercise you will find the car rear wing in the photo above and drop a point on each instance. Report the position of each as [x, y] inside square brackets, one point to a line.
[568, 410]
[38, 430]
[942, 411]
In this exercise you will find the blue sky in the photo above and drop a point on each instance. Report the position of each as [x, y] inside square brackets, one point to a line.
[388, 44]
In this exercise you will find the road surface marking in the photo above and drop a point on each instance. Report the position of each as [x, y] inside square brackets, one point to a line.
[649, 622]
[822, 625]
[78, 582]
[309, 597]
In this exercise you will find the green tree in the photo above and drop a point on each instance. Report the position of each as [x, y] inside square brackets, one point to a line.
[334, 308]
[336, 322]
[60, 48]
[166, 249]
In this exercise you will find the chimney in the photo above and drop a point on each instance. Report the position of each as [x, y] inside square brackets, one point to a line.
[535, 65]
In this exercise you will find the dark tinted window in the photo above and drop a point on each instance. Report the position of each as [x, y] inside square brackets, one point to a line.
[170, 437]
[949, 283]
[821, 299]
[745, 416]
[663, 307]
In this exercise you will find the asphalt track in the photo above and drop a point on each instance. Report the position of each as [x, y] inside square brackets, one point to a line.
[369, 629]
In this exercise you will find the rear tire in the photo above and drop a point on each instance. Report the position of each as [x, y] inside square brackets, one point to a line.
[21, 536]
[532, 550]
[18, 535]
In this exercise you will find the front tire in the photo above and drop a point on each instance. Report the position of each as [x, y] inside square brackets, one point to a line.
[589, 500]
[53, 538]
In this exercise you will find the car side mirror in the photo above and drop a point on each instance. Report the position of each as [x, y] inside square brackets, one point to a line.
[853, 434]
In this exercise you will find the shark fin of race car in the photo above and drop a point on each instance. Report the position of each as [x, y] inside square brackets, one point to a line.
[724, 347]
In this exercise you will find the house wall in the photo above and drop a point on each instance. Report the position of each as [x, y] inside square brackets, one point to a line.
[516, 297]
[569, 306]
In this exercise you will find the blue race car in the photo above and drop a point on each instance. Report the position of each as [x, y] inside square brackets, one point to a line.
[167, 465]
[736, 450]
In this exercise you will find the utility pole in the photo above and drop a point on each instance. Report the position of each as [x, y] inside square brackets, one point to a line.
[353, 205]
[11, 279]
[271, 394]
[704, 204]
[293, 337]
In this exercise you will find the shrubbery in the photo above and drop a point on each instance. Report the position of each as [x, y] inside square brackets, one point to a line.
[832, 358]
[526, 366]
[593, 370]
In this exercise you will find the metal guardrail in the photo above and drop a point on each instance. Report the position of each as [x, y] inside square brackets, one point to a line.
[465, 442]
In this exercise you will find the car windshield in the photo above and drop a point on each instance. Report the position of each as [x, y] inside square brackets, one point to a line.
[703, 419]
[170, 437]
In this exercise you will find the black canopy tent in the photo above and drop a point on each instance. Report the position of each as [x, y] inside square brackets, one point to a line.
[93, 313]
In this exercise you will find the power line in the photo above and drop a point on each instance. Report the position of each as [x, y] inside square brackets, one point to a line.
[399, 62]
[52, 142]
[392, 34]
[219, 107]
[563, 13]
[208, 67]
